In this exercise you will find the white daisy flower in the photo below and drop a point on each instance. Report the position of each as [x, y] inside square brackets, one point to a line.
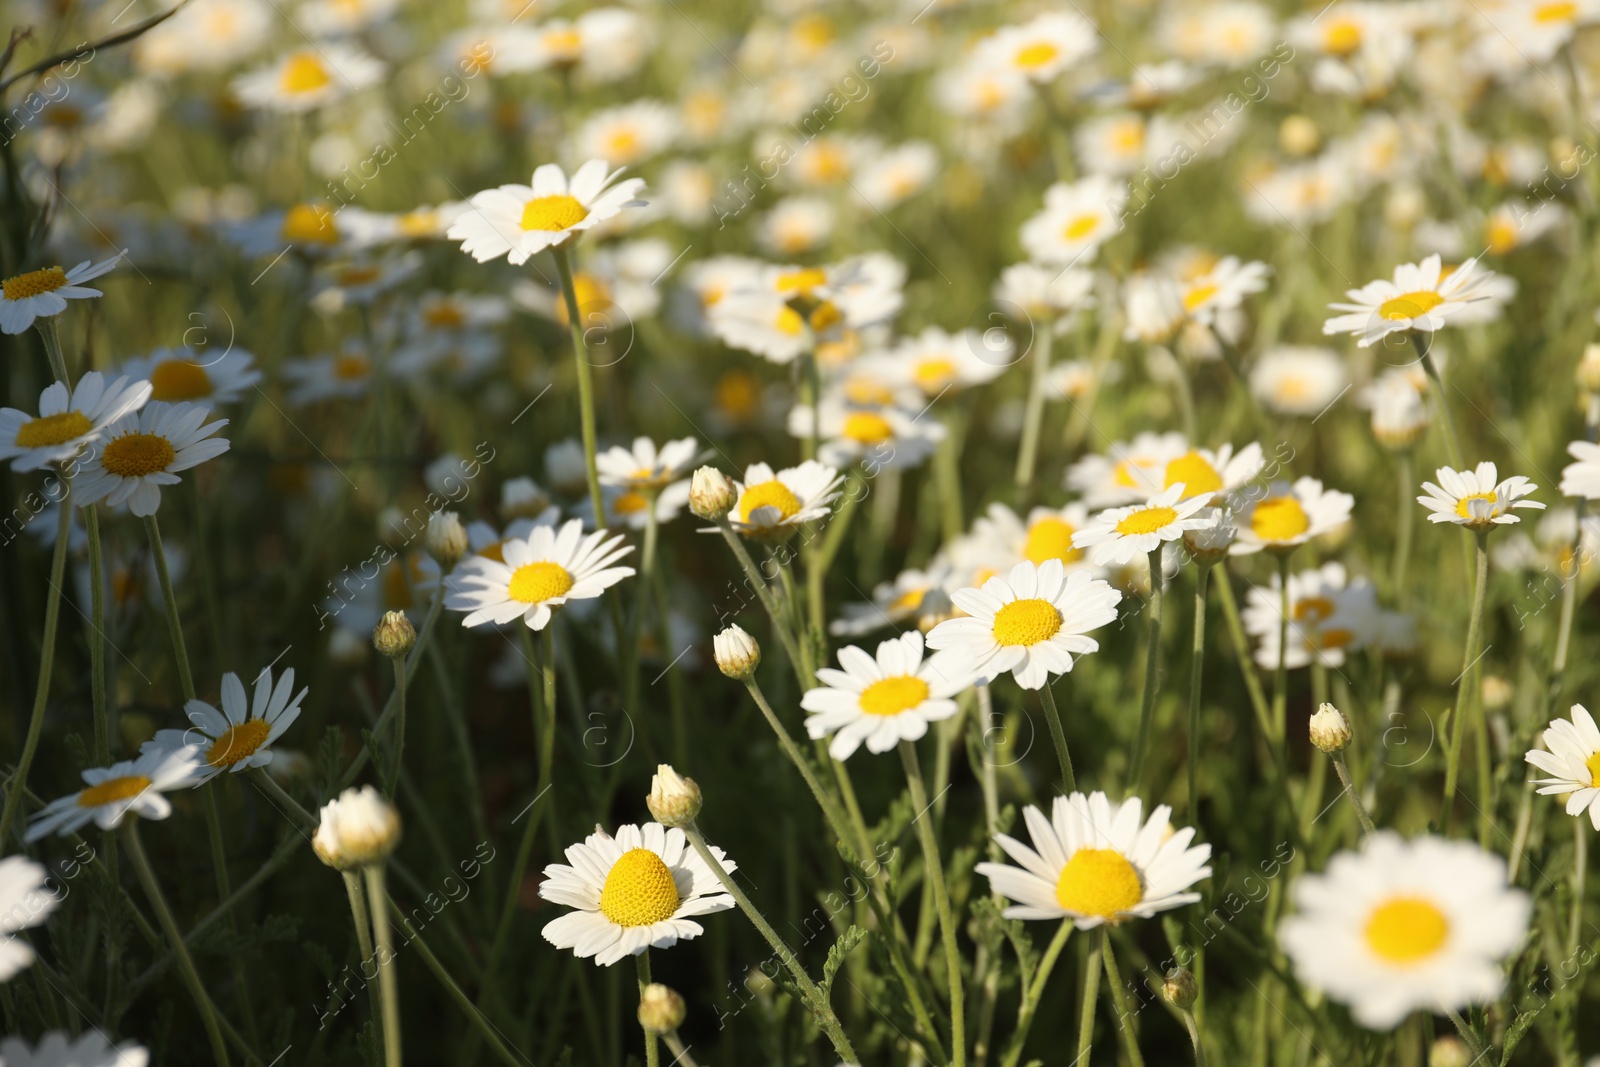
[1047, 534]
[937, 362]
[898, 174]
[1223, 288]
[539, 574]
[131, 786]
[892, 602]
[24, 902]
[56, 1049]
[1224, 32]
[312, 379]
[140, 453]
[1045, 292]
[643, 466]
[603, 44]
[1406, 925]
[311, 228]
[1130, 471]
[889, 437]
[1474, 498]
[1329, 616]
[881, 701]
[1077, 219]
[309, 78]
[1419, 298]
[1042, 49]
[177, 374]
[1573, 757]
[1028, 623]
[43, 294]
[1580, 479]
[638, 890]
[631, 508]
[67, 420]
[1299, 379]
[517, 221]
[1120, 535]
[241, 735]
[797, 225]
[1097, 864]
[1284, 516]
[627, 135]
[771, 507]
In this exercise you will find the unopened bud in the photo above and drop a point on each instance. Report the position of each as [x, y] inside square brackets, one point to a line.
[357, 829]
[1330, 730]
[711, 494]
[1179, 988]
[394, 636]
[674, 800]
[736, 653]
[661, 1009]
[936, 607]
[1209, 544]
[446, 539]
[1449, 1052]
[1589, 369]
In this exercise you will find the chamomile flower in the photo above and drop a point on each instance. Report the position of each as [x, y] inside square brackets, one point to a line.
[632, 508]
[644, 467]
[639, 890]
[24, 902]
[67, 420]
[1406, 925]
[880, 701]
[141, 453]
[1029, 623]
[1119, 535]
[1419, 297]
[1097, 863]
[886, 436]
[309, 78]
[1042, 49]
[1046, 534]
[517, 221]
[347, 374]
[89, 1049]
[1045, 292]
[1582, 478]
[1130, 471]
[898, 174]
[1475, 498]
[772, 507]
[1572, 754]
[1299, 379]
[1077, 219]
[1329, 616]
[310, 228]
[892, 602]
[177, 374]
[43, 294]
[541, 573]
[1286, 516]
[937, 362]
[130, 787]
[240, 736]
[627, 135]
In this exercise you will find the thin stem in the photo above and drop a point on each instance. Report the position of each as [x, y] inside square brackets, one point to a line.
[1469, 658]
[1196, 669]
[1152, 671]
[363, 921]
[1470, 1036]
[1452, 439]
[1033, 995]
[103, 725]
[1280, 680]
[1119, 999]
[1406, 481]
[934, 872]
[1091, 991]
[652, 1050]
[383, 946]
[680, 1053]
[764, 594]
[1193, 1027]
[1058, 736]
[1241, 648]
[424, 636]
[169, 926]
[1343, 770]
[47, 659]
[180, 651]
[1033, 414]
[397, 741]
[817, 1004]
[829, 804]
[580, 356]
[1580, 871]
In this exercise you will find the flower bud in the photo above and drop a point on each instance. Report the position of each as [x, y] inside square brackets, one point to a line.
[711, 494]
[1449, 1051]
[1209, 544]
[1330, 730]
[736, 653]
[1496, 692]
[394, 636]
[661, 1009]
[936, 607]
[1179, 988]
[358, 829]
[674, 800]
[1298, 135]
[446, 538]
[1588, 375]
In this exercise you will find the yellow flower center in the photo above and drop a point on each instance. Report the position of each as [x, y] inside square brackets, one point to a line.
[867, 428]
[1593, 763]
[566, 43]
[1146, 520]
[1050, 538]
[304, 73]
[639, 890]
[351, 367]
[1464, 505]
[824, 315]
[1199, 295]
[623, 144]
[908, 601]
[352, 276]
[112, 790]
[1406, 930]
[773, 494]
[557, 211]
[867, 391]
[891, 696]
[239, 743]
[1100, 882]
[738, 395]
[1196, 473]
[33, 283]
[1342, 38]
[1036, 55]
[789, 321]
[1080, 227]
[1409, 305]
[1502, 236]
[55, 429]
[629, 504]
[1561, 11]
[802, 281]
[309, 224]
[444, 316]
[1129, 473]
[179, 379]
[134, 455]
[1313, 609]
[533, 583]
[420, 223]
[1280, 518]
[934, 374]
[1026, 622]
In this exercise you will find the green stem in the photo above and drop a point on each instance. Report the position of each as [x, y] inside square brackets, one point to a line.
[1343, 770]
[934, 872]
[180, 651]
[1193, 1028]
[1280, 679]
[397, 741]
[1241, 648]
[1469, 658]
[1196, 669]
[1580, 865]
[580, 356]
[1033, 414]
[1406, 480]
[363, 921]
[103, 725]
[1033, 995]
[1091, 991]
[1152, 671]
[169, 926]
[1058, 736]
[652, 1050]
[837, 820]
[764, 594]
[1119, 999]
[383, 946]
[1452, 439]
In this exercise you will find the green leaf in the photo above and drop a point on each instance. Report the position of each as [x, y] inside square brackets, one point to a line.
[836, 956]
[1517, 1031]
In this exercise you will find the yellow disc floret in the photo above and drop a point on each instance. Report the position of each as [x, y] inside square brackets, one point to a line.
[639, 890]
[33, 283]
[773, 494]
[866, 428]
[55, 429]
[1593, 764]
[304, 72]
[1464, 505]
[557, 211]
[179, 379]
[1279, 519]
[238, 743]
[1406, 930]
[891, 696]
[1195, 472]
[1050, 538]
[1146, 520]
[1026, 622]
[1409, 305]
[134, 455]
[534, 583]
[113, 789]
[1099, 882]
